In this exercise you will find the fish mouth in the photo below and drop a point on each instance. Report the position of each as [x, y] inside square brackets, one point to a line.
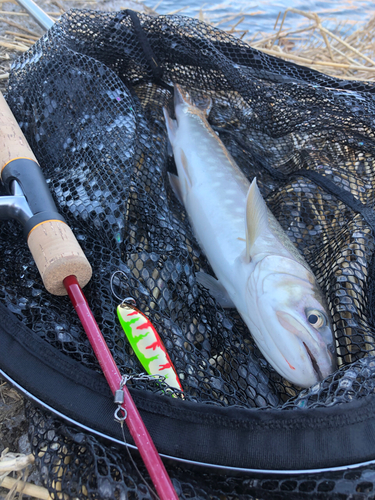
[295, 327]
[314, 363]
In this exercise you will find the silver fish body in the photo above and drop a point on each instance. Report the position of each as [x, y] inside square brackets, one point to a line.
[258, 269]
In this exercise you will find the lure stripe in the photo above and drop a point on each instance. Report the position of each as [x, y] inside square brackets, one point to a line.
[164, 367]
[153, 346]
[145, 325]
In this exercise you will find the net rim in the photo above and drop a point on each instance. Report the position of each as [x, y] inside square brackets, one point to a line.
[216, 468]
[346, 431]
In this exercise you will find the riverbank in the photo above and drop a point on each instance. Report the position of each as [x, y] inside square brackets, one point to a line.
[344, 50]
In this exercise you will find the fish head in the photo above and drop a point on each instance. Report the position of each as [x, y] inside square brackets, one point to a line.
[294, 325]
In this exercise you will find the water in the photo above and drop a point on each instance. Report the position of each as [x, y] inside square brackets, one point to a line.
[260, 16]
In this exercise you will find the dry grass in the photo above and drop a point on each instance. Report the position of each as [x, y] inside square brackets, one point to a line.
[350, 56]
[343, 52]
[14, 469]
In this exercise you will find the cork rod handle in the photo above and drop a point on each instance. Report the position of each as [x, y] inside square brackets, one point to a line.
[52, 243]
[57, 255]
[12, 141]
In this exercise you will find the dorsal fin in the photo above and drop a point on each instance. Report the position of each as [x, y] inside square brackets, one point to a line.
[256, 216]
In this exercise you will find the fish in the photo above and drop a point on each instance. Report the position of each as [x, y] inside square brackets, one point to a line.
[258, 269]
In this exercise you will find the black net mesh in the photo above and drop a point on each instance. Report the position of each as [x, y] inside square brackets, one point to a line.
[82, 466]
[89, 98]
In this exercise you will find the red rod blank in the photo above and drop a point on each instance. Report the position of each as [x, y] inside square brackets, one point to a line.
[137, 428]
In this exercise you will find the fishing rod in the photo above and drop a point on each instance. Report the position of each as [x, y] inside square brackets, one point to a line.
[37, 13]
[64, 267]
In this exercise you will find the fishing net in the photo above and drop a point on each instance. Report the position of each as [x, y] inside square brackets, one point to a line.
[89, 97]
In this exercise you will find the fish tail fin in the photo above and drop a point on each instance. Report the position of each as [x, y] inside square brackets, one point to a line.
[256, 216]
[182, 96]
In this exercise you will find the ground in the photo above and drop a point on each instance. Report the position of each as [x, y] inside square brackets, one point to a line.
[13, 427]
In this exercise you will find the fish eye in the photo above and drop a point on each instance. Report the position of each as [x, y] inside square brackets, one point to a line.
[316, 318]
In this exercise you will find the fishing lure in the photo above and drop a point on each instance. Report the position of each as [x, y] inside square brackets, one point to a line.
[146, 342]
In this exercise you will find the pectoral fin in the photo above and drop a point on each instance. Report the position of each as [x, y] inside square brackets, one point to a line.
[216, 289]
[256, 216]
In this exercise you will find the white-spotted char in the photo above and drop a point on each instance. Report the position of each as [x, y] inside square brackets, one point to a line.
[259, 271]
